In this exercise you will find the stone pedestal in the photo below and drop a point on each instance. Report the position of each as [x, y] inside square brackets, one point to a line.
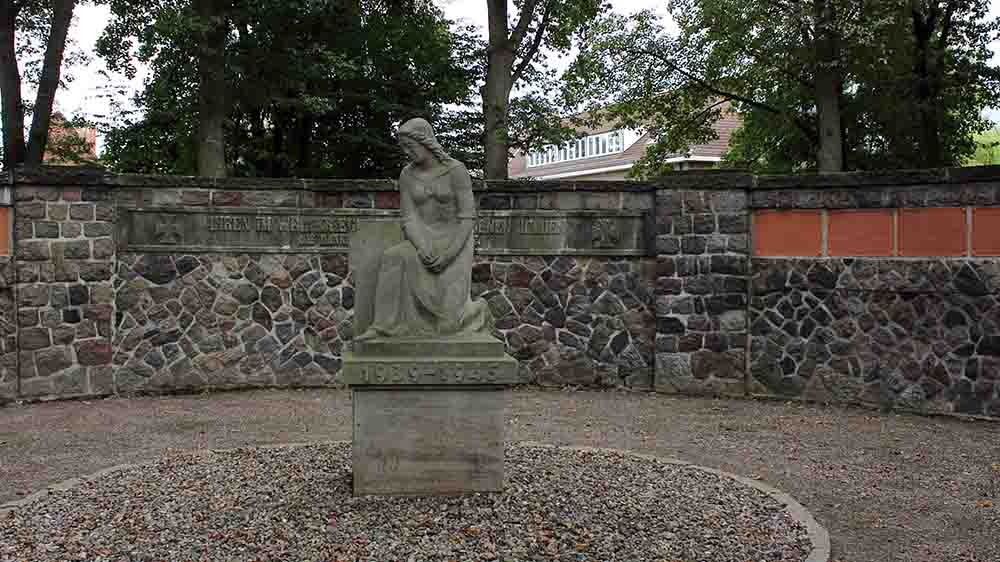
[428, 414]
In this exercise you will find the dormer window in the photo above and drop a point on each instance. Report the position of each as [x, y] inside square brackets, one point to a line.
[591, 146]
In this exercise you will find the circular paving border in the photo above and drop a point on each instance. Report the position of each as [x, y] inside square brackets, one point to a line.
[718, 514]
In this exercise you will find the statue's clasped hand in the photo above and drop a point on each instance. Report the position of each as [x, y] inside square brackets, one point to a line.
[426, 258]
[434, 263]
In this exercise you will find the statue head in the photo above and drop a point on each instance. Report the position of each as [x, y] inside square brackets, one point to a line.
[419, 131]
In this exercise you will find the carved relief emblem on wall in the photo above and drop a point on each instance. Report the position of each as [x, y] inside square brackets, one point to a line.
[168, 231]
[605, 234]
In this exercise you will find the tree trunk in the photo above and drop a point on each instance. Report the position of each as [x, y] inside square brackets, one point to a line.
[212, 107]
[830, 155]
[496, 98]
[304, 125]
[496, 92]
[926, 88]
[277, 168]
[49, 82]
[10, 89]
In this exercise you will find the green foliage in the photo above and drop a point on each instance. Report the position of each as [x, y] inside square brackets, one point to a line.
[316, 87]
[762, 58]
[631, 73]
[889, 87]
[987, 149]
[32, 27]
[32, 21]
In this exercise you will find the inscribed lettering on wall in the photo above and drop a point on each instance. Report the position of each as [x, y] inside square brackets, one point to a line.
[176, 230]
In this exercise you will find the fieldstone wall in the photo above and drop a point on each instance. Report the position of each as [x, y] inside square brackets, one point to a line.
[95, 320]
[224, 321]
[230, 321]
[913, 334]
[895, 305]
[702, 247]
[573, 320]
[873, 288]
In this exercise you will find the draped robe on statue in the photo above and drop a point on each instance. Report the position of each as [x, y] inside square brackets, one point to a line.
[438, 214]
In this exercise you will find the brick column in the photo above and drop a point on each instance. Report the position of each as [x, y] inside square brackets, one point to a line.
[64, 259]
[701, 288]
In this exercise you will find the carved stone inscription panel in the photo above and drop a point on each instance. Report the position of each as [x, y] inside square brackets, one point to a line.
[212, 230]
[562, 232]
[402, 371]
[176, 230]
[419, 441]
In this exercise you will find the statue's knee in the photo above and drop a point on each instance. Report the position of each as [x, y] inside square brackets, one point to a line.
[400, 252]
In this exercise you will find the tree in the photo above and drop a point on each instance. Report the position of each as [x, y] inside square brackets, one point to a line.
[987, 149]
[514, 52]
[746, 55]
[28, 17]
[212, 31]
[820, 84]
[923, 84]
[186, 36]
[828, 81]
[313, 89]
[10, 82]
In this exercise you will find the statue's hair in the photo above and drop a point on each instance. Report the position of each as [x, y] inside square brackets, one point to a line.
[420, 130]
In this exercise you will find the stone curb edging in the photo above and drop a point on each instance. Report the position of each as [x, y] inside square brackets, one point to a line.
[818, 535]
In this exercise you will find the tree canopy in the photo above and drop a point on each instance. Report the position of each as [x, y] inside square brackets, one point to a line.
[314, 89]
[33, 36]
[828, 84]
[987, 149]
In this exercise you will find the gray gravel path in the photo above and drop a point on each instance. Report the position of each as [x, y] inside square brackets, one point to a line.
[294, 503]
[888, 487]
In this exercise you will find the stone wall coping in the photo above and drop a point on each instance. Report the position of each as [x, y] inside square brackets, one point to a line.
[705, 180]
[691, 179]
[100, 178]
[885, 178]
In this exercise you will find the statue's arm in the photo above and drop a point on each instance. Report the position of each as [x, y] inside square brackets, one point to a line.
[408, 215]
[466, 206]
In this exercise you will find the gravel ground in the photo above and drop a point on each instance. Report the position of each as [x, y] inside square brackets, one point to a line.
[889, 488]
[295, 503]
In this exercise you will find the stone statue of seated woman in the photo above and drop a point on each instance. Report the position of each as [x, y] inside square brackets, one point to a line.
[423, 282]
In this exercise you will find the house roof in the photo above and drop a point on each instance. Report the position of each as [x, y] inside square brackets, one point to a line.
[710, 151]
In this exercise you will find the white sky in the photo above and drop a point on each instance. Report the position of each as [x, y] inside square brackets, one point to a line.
[81, 96]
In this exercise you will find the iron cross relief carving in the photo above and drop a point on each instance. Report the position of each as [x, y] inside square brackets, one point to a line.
[605, 234]
[168, 231]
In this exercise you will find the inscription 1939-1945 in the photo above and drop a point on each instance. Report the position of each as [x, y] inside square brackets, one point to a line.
[496, 232]
[413, 372]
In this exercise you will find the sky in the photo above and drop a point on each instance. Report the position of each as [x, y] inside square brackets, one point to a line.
[82, 97]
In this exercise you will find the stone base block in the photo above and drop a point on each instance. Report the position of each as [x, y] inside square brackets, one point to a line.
[428, 440]
[467, 346]
[476, 359]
